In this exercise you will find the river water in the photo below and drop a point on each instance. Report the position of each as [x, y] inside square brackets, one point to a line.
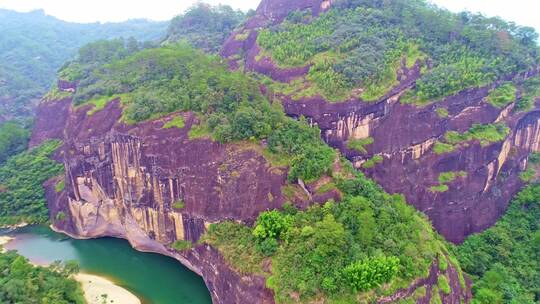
[154, 278]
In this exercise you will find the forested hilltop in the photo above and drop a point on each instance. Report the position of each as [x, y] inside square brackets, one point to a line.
[357, 48]
[33, 46]
[205, 26]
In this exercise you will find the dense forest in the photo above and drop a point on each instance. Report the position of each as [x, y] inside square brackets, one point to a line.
[504, 261]
[33, 46]
[363, 43]
[22, 197]
[204, 26]
[370, 243]
[21, 282]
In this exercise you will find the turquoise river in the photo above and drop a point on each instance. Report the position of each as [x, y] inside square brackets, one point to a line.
[154, 278]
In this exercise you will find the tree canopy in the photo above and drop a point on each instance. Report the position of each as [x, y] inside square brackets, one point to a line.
[362, 43]
[504, 260]
[205, 26]
[338, 250]
[21, 282]
[33, 46]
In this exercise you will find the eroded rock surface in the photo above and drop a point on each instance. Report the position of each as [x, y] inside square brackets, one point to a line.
[123, 181]
[404, 135]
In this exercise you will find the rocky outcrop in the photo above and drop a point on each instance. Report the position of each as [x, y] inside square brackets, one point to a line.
[124, 180]
[404, 135]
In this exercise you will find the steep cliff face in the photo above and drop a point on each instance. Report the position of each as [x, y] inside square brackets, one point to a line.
[404, 135]
[123, 181]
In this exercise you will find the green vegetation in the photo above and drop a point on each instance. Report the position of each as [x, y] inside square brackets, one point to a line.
[22, 198]
[55, 94]
[199, 132]
[528, 175]
[448, 177]
[370, 163]
[371, 273]
[60, 186]
[504, 260]
[326, 188]
[502, 95]
[177, 122]
[346, 48]
[485, 134]
[242, 36]
[179, 204]
[439, 188]
[442, 283]
[419, 293]
[360, 144]
[534, 158]
[181, 245]
[60, 216]
[445, 178]
[442, 112]
[33, 46]
[13, 140]
[238, 245]
[531, 172]
[361, 44]
[155, 82]
[21, 282]
[336, 249]
[442, 148]
[310, 157]
[443, 263]
[435, 296]
[531, 92]
[205, 26]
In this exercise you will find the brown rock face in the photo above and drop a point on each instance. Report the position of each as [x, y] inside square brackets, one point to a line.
[123, 181]
[404, 135]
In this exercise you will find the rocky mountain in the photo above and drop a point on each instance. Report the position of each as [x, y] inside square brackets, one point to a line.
[169, 149]
[413, 143]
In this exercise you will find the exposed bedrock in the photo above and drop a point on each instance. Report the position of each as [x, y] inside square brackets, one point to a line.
[404, 135]
[123, 181]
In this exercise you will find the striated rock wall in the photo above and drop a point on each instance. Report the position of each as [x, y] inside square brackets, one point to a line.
[404, 135]
[123, 181]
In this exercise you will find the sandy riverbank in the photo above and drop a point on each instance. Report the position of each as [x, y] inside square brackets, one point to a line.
[4, 240]
[95, 287]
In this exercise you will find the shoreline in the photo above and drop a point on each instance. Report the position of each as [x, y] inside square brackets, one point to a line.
[4, 240]
[96, 288]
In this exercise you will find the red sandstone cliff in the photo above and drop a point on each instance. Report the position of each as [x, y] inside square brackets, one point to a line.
[122, 181]
[404, 135]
